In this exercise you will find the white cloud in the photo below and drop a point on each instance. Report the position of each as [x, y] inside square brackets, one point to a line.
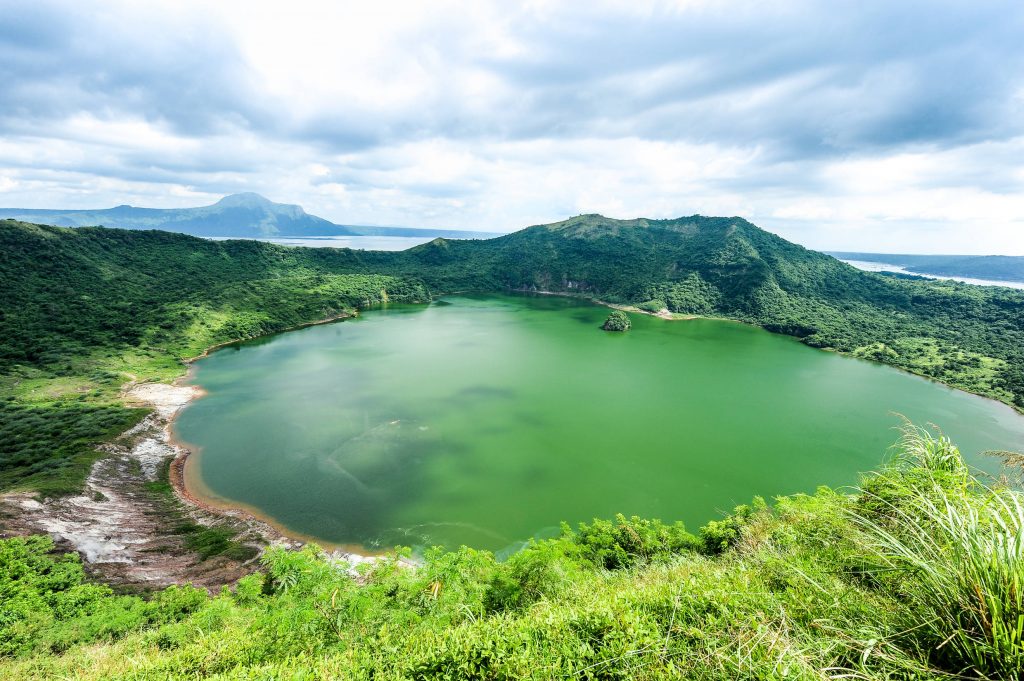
[855, 126]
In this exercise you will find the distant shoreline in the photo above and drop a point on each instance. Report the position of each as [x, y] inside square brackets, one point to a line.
[879, 266]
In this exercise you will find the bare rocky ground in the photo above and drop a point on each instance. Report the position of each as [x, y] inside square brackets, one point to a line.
[124, 531]
[120, 527]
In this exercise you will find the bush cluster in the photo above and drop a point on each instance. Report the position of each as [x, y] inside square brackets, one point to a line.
[917, 576]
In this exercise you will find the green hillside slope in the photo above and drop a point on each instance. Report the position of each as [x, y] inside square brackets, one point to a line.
[915, 577]
[83, 310]
[72, 294]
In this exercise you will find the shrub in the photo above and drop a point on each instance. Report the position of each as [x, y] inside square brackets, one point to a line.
[623, 543]
[719, 535]
[961, 556]
[617, 321]
[654, 305]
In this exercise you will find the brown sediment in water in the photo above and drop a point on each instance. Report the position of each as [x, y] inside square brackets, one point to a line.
[190, 489]
[189, 486]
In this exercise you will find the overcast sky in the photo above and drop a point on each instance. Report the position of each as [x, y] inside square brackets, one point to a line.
[854, 125]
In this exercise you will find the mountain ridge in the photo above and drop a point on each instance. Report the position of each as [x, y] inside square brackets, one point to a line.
[242, 215]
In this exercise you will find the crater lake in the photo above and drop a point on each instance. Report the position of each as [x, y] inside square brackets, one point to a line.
[487, 420]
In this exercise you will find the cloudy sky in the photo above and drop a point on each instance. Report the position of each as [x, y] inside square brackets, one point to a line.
[857, 125]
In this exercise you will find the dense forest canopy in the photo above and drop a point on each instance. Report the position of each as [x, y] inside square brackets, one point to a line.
[617, 321]
[68, 294]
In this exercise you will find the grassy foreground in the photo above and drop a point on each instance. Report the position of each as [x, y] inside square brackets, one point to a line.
[919, 574]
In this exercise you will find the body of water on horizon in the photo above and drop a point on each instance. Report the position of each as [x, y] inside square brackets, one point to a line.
[869, 266]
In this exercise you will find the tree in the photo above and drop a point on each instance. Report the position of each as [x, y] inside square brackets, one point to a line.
[617, 321]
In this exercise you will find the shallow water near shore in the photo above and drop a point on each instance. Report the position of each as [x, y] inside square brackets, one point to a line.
[486, 420]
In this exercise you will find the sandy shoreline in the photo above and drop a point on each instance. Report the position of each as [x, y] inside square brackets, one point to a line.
[114, 523]
[272, 532]
[185, 485]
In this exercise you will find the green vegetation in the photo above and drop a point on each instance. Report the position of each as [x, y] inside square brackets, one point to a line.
[617, 321]
[829, 585]
[78, 302]
[206, 541]
[84, 310]
[967, 558]
[50, 448]
[917, 576]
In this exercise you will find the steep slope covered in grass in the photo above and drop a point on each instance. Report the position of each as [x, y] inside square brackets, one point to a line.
[826, 586]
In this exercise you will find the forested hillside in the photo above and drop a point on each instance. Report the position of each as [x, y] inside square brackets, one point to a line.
[67, 294]
[74, 294]
[84, 310]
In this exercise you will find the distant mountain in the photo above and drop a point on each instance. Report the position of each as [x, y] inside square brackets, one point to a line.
[994, 267]
[246, 215]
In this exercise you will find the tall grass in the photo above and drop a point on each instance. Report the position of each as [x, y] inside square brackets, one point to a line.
[961, 556]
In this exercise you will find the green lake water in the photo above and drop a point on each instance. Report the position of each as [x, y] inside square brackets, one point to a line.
[487, 420]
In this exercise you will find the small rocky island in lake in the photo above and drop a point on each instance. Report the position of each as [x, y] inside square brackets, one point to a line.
[617, 321]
